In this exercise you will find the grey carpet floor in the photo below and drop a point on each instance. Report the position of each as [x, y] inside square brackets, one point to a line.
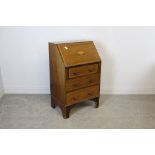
[115, 112]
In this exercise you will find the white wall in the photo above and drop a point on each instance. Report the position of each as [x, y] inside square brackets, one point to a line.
[127, 53]
[1, 85]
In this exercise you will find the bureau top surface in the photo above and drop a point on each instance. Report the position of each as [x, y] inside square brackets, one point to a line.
[78, 53]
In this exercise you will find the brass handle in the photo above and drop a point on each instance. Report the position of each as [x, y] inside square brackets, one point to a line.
[76, 73]
[75, 85]
[75, 98]
[90, 94]
[90, 70]
[90, 81]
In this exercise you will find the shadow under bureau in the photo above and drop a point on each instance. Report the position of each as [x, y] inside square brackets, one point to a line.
[74, 74]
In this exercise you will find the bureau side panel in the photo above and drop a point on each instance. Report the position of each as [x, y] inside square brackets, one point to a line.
[57, 74]
[100, 75]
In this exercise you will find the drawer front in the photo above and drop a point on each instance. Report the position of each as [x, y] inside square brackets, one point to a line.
[82, 94]
[82, 82]
[83, 70]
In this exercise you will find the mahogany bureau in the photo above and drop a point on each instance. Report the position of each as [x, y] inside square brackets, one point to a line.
[74, 74]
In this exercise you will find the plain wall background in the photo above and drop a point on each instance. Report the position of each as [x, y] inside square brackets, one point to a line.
[1, 85]
[127, 53]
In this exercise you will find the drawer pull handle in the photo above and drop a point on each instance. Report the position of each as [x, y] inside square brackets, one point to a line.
[90, 94]
[75, 85]
[90, 81]
[75, 73]
[75, 98]
[90, 70]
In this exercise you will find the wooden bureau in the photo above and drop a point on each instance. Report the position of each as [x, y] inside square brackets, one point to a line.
[74, 74]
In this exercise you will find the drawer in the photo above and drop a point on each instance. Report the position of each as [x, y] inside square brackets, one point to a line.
[82, 94]
[82, 82]
[83, 70]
